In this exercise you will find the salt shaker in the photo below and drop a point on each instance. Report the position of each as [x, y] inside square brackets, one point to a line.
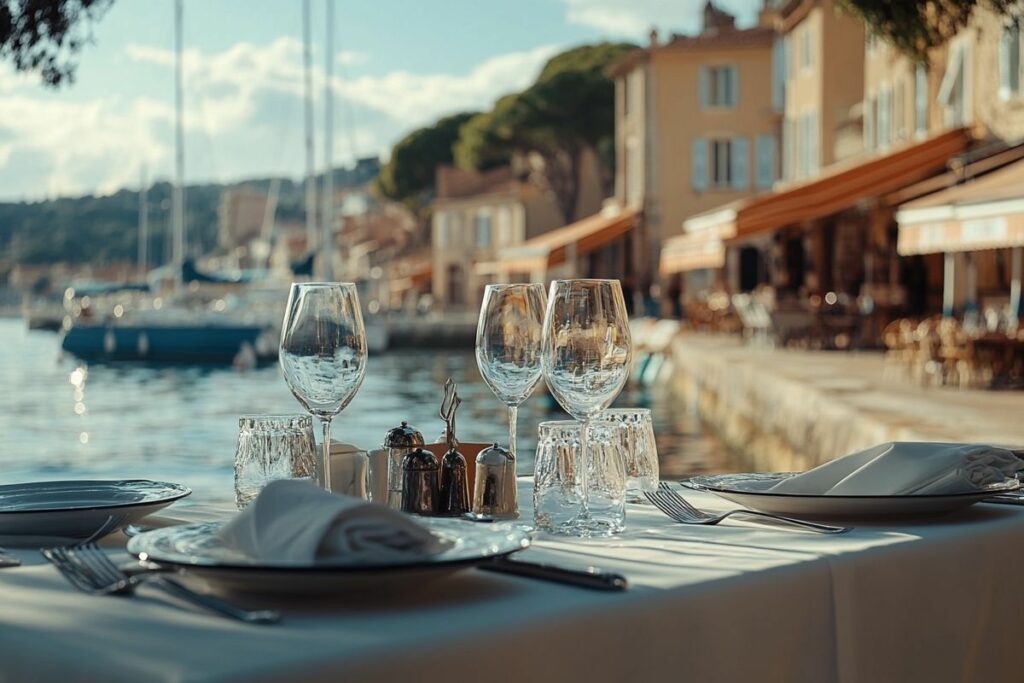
[454, 472]
[420, 483]
[494, 488]
[399, 442]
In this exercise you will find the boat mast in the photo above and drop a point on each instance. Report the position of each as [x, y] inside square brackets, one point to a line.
[178, 197]
[307, 55]
[327, 243]
[143, 224]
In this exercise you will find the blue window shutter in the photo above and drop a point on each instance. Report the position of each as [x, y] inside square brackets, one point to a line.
[740, 154]
[1004, 64]
[778, 74]
[734, 86]
[920, 99]
[765, 161]
[703, 86]
[699, 165]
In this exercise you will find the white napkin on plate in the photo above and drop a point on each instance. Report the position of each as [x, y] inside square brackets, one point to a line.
[296, 521]
[908, 468]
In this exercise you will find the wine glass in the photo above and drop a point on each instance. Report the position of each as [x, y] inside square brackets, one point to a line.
[323, 352]
[508, 345]
[586, 360]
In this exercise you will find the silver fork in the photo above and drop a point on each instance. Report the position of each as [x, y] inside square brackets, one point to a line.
[87, 568]
[677, 507]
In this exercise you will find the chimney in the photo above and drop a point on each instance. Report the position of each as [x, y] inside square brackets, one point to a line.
[653, 37]
[717, 20]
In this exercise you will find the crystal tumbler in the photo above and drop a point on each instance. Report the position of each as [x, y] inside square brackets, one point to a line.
[558, 493]
[639, 450]
[272, 447]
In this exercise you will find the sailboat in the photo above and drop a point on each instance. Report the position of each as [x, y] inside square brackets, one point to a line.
[205, 319]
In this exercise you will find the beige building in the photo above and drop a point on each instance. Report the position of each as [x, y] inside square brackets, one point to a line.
[474, 216]
[697, 126]
[240, 216]
[822, 53]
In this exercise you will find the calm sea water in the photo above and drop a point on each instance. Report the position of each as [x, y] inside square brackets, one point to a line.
[62, 418]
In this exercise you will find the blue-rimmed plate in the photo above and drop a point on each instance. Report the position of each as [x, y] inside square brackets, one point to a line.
[196, 549]
[69, 510]
[751, 491]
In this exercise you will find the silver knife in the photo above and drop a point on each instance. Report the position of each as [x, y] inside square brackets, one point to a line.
[589, 577]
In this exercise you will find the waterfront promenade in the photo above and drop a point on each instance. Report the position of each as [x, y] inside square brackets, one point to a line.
[793, 409]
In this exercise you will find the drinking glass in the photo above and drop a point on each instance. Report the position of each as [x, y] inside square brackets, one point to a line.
[557, 495]
[508, 345]
[323, 353]
[639, 450]
[585, 360]
[272, 447]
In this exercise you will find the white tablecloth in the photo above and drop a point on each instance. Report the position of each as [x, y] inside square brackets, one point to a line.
[935, 601]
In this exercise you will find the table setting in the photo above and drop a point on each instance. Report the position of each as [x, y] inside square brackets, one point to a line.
[397, 560]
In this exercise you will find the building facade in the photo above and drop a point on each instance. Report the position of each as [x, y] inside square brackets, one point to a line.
[475, 215]
[697, 125]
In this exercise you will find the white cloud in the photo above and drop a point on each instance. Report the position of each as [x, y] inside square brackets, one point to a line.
[242, 117]
[351, 57]
[635, 18]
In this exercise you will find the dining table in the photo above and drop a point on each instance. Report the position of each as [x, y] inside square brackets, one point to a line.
[928, 599]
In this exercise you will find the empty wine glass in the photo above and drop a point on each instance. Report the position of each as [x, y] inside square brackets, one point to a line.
[586, 359]
[508, 345]
[323, 353]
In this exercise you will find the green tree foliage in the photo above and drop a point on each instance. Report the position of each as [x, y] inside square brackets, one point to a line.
[569, 110]
[408, 176]
[917, 26]
[44, 36]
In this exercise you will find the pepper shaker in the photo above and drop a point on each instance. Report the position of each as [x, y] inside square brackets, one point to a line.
[495, 478]
[399, 442]
[454, 499]
[420, 485]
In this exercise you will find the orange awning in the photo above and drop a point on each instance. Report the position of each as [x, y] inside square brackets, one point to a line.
[986, 213]
[838, 187]
[549, 249]
[691, 252]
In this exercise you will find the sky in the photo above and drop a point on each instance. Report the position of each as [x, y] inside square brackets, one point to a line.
[398, 65]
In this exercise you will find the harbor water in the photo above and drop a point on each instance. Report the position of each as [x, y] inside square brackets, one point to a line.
[64, 419]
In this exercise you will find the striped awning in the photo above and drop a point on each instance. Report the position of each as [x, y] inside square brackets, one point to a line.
[986, 213]
[693, 251]
[551, 248]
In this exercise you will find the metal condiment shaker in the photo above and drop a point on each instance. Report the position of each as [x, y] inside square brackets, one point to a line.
[399, 442]
[454, 472]
[494, 488]
[420, 485]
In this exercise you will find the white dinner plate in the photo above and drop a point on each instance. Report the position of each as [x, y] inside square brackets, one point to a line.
[750, 491]
[195, 549]
[69, 510]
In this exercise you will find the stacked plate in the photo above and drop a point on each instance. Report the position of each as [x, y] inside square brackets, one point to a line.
[59, 511]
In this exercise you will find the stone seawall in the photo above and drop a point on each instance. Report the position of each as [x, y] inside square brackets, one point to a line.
[792, 410]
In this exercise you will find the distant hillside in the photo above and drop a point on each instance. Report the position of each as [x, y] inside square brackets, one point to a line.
[99, 230]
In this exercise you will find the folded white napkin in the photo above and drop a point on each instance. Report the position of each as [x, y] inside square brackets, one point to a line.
[296, 521]
[908, 467]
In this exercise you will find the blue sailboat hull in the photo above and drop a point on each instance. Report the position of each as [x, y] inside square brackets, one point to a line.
[166, 344]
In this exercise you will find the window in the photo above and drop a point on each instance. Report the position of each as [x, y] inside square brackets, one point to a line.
[765, 161]
[1009, 62]
[805, 48]
[503, 226]
[441, 236]
[869, 122]
[483, 228]
[788, 143]
[721, 163]
[719, 86]
[884, 117]
[920, 100]
[633, 173]
[779, 74]
[953, 90]
[807, 132]
[899, 124]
